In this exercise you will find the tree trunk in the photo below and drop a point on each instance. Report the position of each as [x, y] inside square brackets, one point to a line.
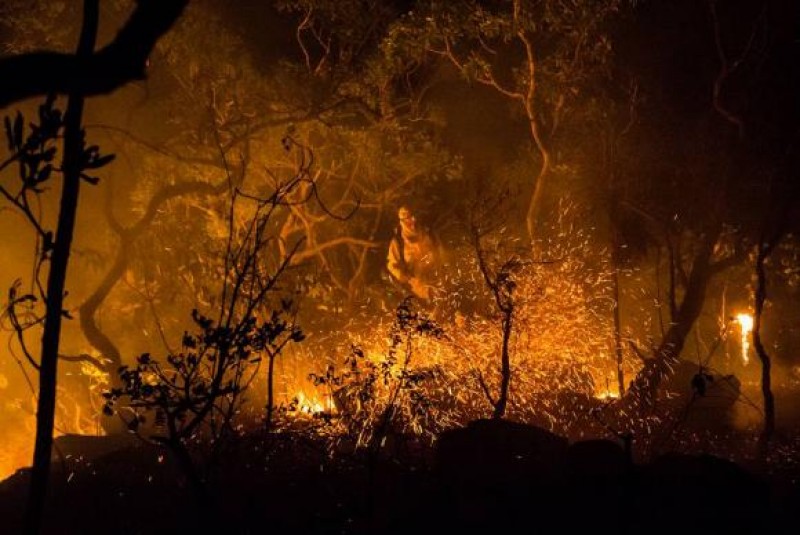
[270, 391]
[505, 370]
[207, 516]
[617, 320]
[59, 260]
[644, 387]
[87, 311]
[766, 363]
[537, 197]
[127, 239]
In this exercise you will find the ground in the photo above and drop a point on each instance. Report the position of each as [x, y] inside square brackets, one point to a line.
[489, 475]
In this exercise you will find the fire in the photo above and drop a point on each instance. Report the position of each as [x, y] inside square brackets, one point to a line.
[746, 324]
[307, 405]
[607, 395]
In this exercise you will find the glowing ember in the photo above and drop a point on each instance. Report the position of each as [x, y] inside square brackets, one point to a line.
[746, 324]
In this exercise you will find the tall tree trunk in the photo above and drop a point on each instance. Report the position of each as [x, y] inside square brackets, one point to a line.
[537, 197]
[270, 390]
[644, 387]
[617, 319]
[59, 260]
[766, 363]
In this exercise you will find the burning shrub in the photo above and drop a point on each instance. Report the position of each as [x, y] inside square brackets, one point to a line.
[375, 397]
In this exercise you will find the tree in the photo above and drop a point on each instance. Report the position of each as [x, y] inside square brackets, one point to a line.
[703, 170]
[542, 55]
[195, 395]
[500, 280]
[775, 227]
[78, 75]
[32, 152]
[220, 106]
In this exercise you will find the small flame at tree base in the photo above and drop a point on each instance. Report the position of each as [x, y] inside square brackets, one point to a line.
[746, 324]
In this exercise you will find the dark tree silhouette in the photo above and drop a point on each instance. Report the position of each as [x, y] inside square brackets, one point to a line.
[79, 75]
[73, 164]
[767, 241]
[121, 61]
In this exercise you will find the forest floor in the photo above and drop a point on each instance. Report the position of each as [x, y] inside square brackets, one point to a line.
[490, 476]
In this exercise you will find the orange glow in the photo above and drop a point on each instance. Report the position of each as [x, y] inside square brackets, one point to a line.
[607, 395]
[746, 324]
[311, 405]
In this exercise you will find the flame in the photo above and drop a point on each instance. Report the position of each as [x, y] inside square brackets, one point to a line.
[746, 324]
[307, 405]
[607, 395]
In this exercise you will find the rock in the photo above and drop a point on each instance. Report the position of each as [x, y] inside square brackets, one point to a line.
[496, 474]
[499, 449]
[91, 447]
[706, 398]
[599, 476]
[700, 493]
[596, 459]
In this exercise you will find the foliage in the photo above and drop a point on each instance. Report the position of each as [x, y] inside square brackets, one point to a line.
[569, 38]
[202, 384]
[43, 24]
[376, 396]
[33, 153]
[196, 395]
[541, 55]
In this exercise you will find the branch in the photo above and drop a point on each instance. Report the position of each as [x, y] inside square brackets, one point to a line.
[343, 240]
[736, 258]
[725, 70]
[485, 388]
[121, 61]
[84, 357]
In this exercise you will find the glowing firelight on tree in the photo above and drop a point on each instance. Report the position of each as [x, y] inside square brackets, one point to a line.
[746, 324]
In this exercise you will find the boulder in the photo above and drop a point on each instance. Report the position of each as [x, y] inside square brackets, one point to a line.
[91, 447]
[497, 475]
[495, 450]
[596, 459]
[699, 493]
[707, 399]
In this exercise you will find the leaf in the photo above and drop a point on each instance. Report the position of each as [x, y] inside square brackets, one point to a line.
[18, 125]
[44, 174]
[298, 336]
[103, 160]
[9, 134]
